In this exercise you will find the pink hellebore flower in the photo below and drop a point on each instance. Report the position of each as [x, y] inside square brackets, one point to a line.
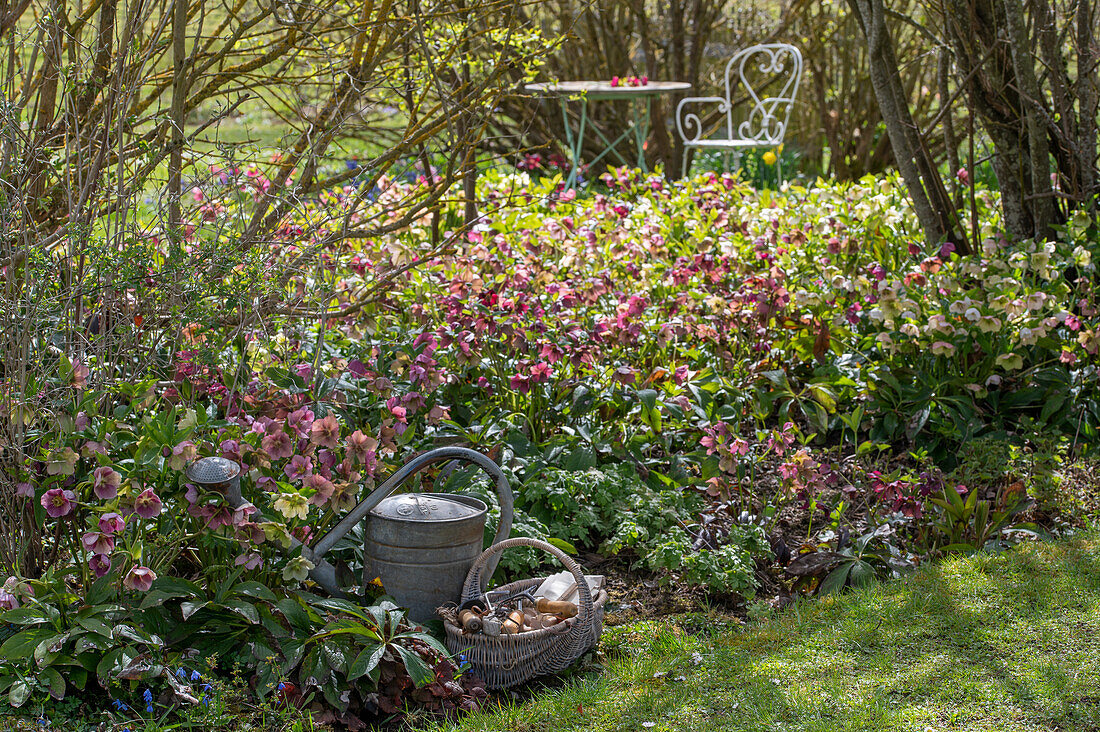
[541, 372]
[100, 564]
[300, 420]
[79, 377]
[438, 413]
[139, 579]
[106, 482]
[147, 504]
[216, 516]
[182, 454]
[58, 502]
[298, 468]
[24, 490]
[325, 432]
[963, 175]
[11, 591]
[361, 446]
[231, 450]
[1068, 357]
[248, 560]
[324, 488]
[789, 471]
[111, 523]
[97, 542]
[277, 446]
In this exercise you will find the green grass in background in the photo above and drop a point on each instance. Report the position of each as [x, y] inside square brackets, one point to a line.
[992, 642]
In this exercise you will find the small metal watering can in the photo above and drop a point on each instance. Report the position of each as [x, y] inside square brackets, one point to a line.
[420, 545]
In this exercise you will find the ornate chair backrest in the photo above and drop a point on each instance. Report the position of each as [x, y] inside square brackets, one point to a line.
[772, 69]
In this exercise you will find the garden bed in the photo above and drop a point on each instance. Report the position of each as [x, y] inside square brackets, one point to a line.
[752, 395]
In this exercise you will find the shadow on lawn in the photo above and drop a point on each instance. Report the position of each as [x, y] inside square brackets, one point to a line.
[1008, 641]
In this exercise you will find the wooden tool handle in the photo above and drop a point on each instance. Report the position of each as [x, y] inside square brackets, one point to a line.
[470, 621]
[557, 607]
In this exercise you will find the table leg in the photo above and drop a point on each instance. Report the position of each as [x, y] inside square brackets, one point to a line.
[641, 109]
[576, 143]
[609, 146]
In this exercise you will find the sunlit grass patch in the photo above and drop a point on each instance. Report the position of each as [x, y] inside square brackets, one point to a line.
[993, 642]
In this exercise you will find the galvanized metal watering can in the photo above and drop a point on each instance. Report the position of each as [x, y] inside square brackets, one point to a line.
[420, 545]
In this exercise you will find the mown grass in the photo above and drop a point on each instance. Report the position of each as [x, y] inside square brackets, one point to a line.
[1008, 641]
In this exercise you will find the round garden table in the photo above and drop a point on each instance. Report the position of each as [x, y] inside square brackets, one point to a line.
[640, 98]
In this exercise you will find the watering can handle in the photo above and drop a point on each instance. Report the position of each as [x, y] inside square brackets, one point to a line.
[324, 573]
[418, 463]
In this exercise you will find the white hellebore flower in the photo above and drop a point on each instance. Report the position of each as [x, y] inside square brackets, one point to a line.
[1082, 257]
[989, 324]
[939, 324]
[297, 569]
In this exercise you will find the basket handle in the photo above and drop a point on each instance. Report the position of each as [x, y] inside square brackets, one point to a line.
[478, 576]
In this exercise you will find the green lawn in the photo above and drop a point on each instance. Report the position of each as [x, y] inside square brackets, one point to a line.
[992, 642]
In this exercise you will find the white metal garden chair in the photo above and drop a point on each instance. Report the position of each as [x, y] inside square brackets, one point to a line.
[770, 68]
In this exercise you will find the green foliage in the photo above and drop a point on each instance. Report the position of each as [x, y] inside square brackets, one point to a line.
[63, 642]
[609, 507]
[967, 524]
[729, 568]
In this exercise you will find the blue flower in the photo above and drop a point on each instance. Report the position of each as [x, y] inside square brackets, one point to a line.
[147, 696]
[281, 686]
[195, 676]
[149, 709]
[206, 687]
[120, 705]
[181, 672]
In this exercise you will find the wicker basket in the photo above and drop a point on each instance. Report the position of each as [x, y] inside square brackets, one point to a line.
[508, 660]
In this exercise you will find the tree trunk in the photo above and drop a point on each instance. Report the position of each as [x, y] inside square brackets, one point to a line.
[1042, 194]
[930, 201]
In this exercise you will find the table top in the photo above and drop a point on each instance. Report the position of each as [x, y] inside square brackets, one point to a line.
[604, 89]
